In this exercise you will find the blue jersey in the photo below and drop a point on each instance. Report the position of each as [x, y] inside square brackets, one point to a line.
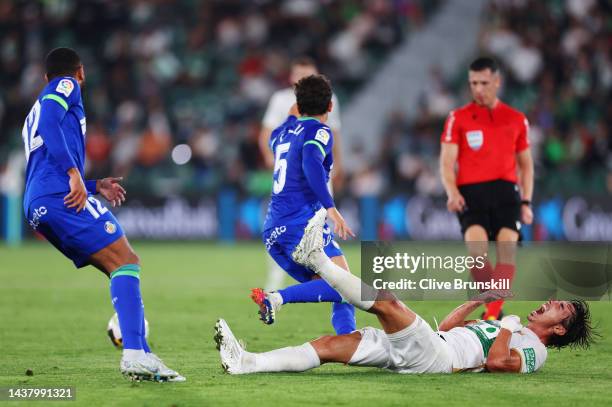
[54, 139]
[294, 201]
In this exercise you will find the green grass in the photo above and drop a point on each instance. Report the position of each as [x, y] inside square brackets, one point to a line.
[53, 321]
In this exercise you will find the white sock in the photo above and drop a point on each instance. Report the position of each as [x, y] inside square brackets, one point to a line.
[289, 359]
[276, 300]
[133, 354]
[276, 276]
[348, 285]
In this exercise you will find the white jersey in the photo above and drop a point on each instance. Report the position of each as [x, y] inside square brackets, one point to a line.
[282, 100]
[471, 346]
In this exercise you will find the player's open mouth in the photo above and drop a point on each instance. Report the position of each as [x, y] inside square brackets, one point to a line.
[540, 310]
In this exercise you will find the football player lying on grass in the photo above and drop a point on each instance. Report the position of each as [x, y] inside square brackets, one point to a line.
[407, 344]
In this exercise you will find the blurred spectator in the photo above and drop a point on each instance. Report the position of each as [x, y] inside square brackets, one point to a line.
[156, 70]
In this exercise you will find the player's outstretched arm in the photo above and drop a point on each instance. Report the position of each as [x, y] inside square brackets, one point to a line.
[458, 316]
[312, 165]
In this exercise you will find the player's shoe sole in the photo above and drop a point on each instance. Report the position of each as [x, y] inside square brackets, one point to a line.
[312, 240]
[230, 350]
[138, 370]
[150, 370]
[266, 310]
[137, 377]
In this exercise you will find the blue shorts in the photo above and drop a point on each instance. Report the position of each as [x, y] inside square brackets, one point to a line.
[77, 235]
[281, 241]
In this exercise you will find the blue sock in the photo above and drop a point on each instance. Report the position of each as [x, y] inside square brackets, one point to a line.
[343, 318]
[125, 295]
[311, 291]
[145, 345]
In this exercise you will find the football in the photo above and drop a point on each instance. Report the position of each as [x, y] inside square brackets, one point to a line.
[114, 331]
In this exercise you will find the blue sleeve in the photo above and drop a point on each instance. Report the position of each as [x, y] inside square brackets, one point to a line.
[52, 113]
[314, 152]
[90, 185]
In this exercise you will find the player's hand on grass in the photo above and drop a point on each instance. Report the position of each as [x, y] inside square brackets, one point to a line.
[526, 215]
[455, 202]
[111, 189]
[341, 228]
[512, 323]
[77, 198]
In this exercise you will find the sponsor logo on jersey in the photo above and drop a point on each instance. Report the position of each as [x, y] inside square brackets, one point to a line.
[327, 235]
[276, 232]
[36, 215]
[322, 136]
[475, 139]
[65, 87]
[110, 227]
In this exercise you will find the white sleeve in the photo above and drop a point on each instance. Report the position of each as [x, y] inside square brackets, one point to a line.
[334, 117]
[275, 114]
[532, 352]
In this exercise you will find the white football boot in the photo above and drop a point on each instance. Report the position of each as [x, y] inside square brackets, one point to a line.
[312, 240]
[164, 373]
[141, 368]
[229, 348]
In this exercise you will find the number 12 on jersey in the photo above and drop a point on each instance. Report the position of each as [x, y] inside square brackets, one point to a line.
[30, 140]
[280, 167]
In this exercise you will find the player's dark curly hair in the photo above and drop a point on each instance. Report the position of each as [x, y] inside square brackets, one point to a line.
[62, 62]
[580, 332]
[482, 63]
[313, 94]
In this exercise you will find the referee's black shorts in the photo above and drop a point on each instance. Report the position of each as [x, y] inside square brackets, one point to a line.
[492, 205]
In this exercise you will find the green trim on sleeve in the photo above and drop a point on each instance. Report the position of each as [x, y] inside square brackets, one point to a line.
[530, 359]
[318, 145]
[58, 99]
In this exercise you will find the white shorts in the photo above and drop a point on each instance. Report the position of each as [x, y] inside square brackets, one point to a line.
[415, 349]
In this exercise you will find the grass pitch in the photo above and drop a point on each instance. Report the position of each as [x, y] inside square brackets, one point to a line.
[53, 320]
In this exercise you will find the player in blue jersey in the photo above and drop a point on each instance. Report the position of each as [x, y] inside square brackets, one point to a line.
[61, 206]
[302, 147]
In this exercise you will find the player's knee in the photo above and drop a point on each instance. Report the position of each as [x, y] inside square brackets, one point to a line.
[132, 258]
[507, 235]
[324, 347]
[129, 257]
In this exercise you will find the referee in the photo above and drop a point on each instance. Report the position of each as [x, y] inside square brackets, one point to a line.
[482, 145]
